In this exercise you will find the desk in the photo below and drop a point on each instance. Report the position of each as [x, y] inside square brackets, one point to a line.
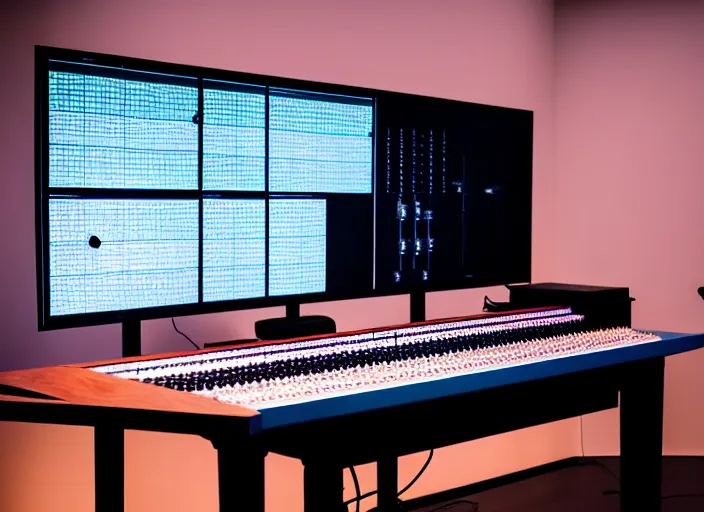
[378, 425]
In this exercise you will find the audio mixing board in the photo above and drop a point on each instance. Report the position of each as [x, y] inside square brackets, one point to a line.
[270, 375]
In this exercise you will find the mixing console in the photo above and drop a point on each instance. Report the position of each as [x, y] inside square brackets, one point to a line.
[268, 375]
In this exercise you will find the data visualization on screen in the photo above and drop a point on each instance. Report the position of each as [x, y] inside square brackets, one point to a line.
[168, 190]
[201, 191]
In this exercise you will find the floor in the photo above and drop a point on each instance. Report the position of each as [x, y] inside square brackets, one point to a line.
[586, 487]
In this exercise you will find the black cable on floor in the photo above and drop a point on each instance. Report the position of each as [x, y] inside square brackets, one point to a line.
[182, 334]
[364, 496]
[452, 504]
[584, 462]
[614, 492]
[672, 496]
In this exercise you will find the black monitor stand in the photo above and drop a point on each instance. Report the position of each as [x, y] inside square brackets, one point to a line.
[131, 338]
[387, 467]
[417, 306]
[293, 325]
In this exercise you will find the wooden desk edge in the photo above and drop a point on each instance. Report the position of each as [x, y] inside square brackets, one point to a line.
[82, 386]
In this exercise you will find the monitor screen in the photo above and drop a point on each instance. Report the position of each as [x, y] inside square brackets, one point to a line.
[167, 190]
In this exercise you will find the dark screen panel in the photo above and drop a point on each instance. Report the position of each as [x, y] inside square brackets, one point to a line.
[453, 194]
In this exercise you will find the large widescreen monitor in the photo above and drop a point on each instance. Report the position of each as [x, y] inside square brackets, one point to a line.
[168, 190]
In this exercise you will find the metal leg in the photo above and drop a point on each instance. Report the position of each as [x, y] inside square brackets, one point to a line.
[240, 477]
[387, 484]
[109, 447]
[641, 437]
[322, 488]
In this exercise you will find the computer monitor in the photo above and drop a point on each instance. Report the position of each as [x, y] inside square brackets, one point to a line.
[168, 190]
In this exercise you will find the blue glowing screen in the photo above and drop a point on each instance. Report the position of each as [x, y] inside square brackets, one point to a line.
[234, 249]
[297, 246]
[114, 133]
[234, 146]
[146, 211]
[319, 146]
[148, 254]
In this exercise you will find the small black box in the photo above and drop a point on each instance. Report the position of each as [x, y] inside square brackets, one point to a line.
[286, 328]
[602, 306]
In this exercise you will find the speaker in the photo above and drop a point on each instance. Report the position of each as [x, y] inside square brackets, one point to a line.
[601, 306]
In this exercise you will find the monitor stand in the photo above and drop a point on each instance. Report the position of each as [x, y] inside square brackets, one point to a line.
[131, 338]
[417, 306]
[293, 325]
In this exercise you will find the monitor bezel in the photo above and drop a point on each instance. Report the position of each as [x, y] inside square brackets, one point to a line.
[46, 322]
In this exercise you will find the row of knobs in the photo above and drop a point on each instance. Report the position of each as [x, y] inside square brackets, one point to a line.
[268, 371]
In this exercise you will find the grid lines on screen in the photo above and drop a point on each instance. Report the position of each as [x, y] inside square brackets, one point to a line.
[297, 246]
[107, 132]
[234, 247]
[234, 146]
[319, 146]
[147, 257]
[199, 190]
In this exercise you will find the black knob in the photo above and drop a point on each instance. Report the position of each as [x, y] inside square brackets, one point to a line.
[94, 242]
[701, 291]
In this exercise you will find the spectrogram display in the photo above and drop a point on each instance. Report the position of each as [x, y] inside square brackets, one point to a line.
[107, 132]
[297, 246]
[146, 254]
[319, 146]
[184, 189]
[234, 249]
[234, 136]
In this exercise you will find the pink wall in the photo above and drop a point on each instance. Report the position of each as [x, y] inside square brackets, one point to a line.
[629, 179]
[485, 51]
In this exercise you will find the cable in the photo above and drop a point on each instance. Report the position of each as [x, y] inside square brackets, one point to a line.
[422, 470]
[584, 462]
[694, 495]
[614, 492]
[364, 496]
[493, 306]
[357, 488]
[604, 467]
[360, 498]
[182, 334]
[452, 504]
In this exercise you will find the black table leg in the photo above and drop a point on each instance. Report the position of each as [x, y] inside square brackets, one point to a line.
[109, 453]
[240, 477]
[387, 484]
[322, 487]
[641, 436]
